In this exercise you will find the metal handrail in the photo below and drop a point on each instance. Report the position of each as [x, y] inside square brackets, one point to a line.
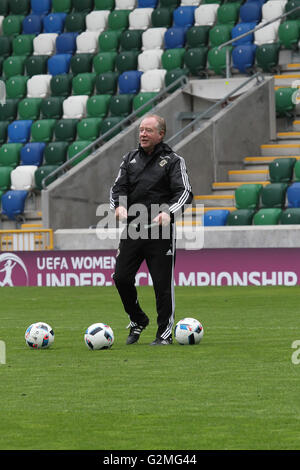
[180, 81]
[267, 23]
[258, 76]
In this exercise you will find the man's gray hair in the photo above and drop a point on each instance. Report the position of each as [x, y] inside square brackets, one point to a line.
[161, 123]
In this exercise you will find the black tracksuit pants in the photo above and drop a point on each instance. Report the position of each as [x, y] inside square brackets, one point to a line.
[159, 255]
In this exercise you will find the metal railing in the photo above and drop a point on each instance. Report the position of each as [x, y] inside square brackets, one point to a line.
[26, 239]
[253, 30]
[179, 82]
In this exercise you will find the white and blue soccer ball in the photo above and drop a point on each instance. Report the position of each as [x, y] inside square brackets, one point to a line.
[39, 335]
[99, 336]
[188, 331]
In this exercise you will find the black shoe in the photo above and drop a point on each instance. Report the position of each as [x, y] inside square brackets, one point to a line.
[135, 332]
[161, 342]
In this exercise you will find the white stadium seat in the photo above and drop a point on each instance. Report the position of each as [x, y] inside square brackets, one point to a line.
[153, 80]
[153, 38]
[140, 18]
[44, 44]
[125, 4]
[38, 86]
[206, 14]
[22, 177]
[87, 42]
[97, 20]
[272, 9]
[266, 35]
[74, 107]
[149, 59]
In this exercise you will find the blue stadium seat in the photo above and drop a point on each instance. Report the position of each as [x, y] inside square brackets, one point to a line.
[293, 195]
[184, 16]
[54, 23]
[59, 63]
[13, 203]
[175, 37]
[242, 28]
[243, 57]
[32, 24]
[251, 12]
[216, 217]
[66, 43]
[130, 81]
[147, 3]
[32, 153]
[41, 7]
[19, 131]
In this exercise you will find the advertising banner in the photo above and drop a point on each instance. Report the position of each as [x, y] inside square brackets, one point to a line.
[207, 267]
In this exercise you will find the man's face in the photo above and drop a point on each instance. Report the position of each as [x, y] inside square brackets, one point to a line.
[149, 134]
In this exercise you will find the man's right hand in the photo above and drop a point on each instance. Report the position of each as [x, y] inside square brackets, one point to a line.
[121, 213]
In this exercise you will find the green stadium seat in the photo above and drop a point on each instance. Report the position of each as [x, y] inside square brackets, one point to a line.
[19, 7]
[10, 154]
[118, 20]
[219, 34]
[131, 40]
[42, 130]
[5, 46]
[162, 17]
[267, 56]
[81, 63]
[127, 60]
[172, 75]
[109, 123]
[106, 83]
[297, 171]
[83, 6]
[274, 195]
[84, 83]
[4, 7]
[56, 153]
[269, 216]
[282, 170]
[23, 44]
[109, 41]
[62, 6]
[14, 65]
[228, 13]
[61, 85]
[169, 3]
[141, 99]
[173, 58]
[77, 147]
[9, 110]
[290, 216]
[197, 36]
[65, 129]
[16, 87]
[289, 34]
[291, 5]
[12, 25]
[104, 4]
[3, 131]
[195, 60]
[121, 105]
[36, 65]
[217, 59]
[247, 196]
[5, 181]
[240, 217]
[75, 22]
[41, 173]
[104, 61]
[98, 105]
[29, 108]
[89, 128]
[52, 107]
[284, 101]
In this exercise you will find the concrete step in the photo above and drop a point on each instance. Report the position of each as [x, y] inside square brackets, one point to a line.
[296, 125]
[248, 175]
[292, 67]
[288, 135]
[211, 200]
[286, 79]
[232, 185]
[264, 162]
[276, 150]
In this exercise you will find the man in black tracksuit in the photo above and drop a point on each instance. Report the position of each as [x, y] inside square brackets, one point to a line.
[151, 188]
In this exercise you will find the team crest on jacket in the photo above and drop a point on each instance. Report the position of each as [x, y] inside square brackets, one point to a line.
[163, 162]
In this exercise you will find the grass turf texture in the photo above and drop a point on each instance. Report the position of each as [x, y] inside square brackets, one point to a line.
[237, 389]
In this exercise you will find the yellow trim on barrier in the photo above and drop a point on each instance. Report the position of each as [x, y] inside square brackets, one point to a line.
[26, 239]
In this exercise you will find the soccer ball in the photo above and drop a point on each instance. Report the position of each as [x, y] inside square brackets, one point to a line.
[39, 335]
[188, 331]
[99, 336]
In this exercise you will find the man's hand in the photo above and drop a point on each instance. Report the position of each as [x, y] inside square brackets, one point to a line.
[121, 213]
[162, 219]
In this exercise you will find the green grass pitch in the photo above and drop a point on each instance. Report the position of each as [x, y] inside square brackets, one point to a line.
[237, 389]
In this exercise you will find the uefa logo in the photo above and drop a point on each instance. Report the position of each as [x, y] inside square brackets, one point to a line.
[9, 263]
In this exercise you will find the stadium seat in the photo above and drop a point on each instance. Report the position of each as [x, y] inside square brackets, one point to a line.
[19, 131]
[36, 65]
[197, 36]
[51, 107]
[55, 153]
[112, 125]
[215, 217]
[75, 148]
[10, 154]
[32, 24]
[219, 34]
[140, 18]
[22, 177]
[42, 130]
[126, 60]
[121, 104]
[297, 171]
[217, 59]
[267, 56]
[75, 22]
[83, 6]
[41, 7]
[228, 13]
[65, 130]
[247, 196]
[173, 75]
[109, 40]
[74, 107]
[104, 61]
[242, 28]
[106, 83]
[147, 3]
[272, 9]
[131, 40]
[61, 85]
[289, 34]
[104, 4]
[13, 203]
[267, 34]
[243, 58]
[41, 173]
[274, 195]
[66, 43]
[206, 14]
[87, 42]
[290, 216]
[9, 110]
[61, 6]
[98, 105]
[5, 46]
[3, 131]
[118, 19]
[153, 80]
[54, 22]
[153, 38]
[97, 20]
[12, 25]
[5, 181]
[162, 18]
[84, 83]
[32, 153]
[183, 16]
[250, 12]
[29, 108]
[175, 37]
[140, 99]
[129, 82]
[172, 58]
[149, 59]
[88, 129]
[125, 4]
[38, 86]
[190, 2]
[22, 45]
[291, 5]
[268, 216]
[195, 59]
[293, 195]
[19, 7]
[240, 217]
[59, 63]
[81, 63]
[281, 170]
[169, 3]
[45, 44]
[14, 65]
[4, 8]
